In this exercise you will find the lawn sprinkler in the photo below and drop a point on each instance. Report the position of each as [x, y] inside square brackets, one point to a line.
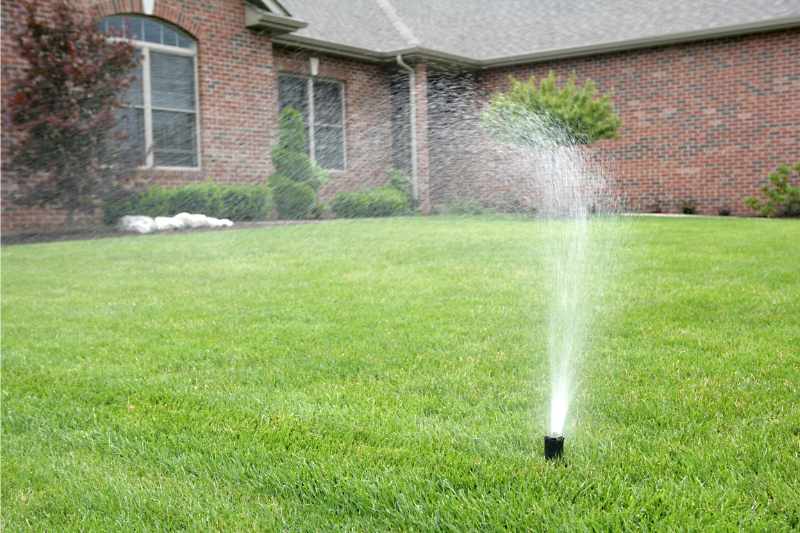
[553, 446]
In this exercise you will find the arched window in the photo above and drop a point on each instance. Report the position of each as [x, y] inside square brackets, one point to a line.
[160, 115]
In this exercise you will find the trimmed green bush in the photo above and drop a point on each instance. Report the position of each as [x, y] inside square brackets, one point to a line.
[290, 156]
[297, 178]
[295, 166]
[243, 203]
[236, 202]
[202, 198]
[293, 200]
[380, 202]
[402, 182]
[782, 199]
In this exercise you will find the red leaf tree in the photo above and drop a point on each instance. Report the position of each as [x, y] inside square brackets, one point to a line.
[65, 149]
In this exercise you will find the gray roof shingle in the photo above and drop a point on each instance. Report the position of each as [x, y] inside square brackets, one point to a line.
[489, 30]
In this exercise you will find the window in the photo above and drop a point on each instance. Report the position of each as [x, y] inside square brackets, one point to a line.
[160, 116]
[320, 102]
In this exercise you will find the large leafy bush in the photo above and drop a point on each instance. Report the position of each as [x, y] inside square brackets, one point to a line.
[781, 198]
[530, 113]
[62, 109]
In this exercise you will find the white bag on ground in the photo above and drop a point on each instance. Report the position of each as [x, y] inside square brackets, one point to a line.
[137, 223]
[143, 224]
[166, 223]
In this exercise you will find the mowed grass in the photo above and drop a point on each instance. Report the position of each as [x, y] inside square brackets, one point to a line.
[391, 375]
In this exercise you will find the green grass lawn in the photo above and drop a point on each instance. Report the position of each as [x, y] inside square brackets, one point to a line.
[390, 374]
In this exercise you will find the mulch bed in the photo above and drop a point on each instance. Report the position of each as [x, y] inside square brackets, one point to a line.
[105, 232]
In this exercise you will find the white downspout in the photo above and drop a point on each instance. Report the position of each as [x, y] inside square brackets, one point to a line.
[412, 95]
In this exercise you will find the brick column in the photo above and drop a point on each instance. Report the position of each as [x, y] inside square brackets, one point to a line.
[423, 175]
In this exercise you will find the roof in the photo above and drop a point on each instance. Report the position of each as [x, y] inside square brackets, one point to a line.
[496, 32]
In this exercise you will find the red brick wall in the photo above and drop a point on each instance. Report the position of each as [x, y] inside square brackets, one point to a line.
[703, 121]
[368, 134]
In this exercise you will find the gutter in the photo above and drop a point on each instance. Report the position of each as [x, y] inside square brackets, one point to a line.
[372, 56]
[429, 55]
[412, 99]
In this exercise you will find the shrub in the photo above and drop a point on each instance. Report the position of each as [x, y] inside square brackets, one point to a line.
[688, 207]
[297, 178]
[529, 114]
[293, 200]
[380, 202]
[402, 182]
[782, 198]
[290, 157]
[236, 202]
[243, 203]
[118, 206]
[295, 166]
[202, 198]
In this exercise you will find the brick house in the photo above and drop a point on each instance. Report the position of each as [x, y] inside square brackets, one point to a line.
[707, 91]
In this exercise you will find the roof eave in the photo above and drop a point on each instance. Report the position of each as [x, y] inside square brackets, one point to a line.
[264, 21]
[415, 53]
[419, 54]
[327, 47]
[648, 42]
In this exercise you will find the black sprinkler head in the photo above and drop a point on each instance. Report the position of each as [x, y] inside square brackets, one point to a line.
[553, 446]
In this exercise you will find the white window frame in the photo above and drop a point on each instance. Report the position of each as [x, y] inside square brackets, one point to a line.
[145, 47]
[311, 119]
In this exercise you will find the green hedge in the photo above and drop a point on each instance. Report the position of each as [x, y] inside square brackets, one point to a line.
[380, 202]
[236, 202]
[293, 199]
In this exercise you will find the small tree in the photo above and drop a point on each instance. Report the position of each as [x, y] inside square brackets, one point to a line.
[297, 178]
[289, 156]
[782, 199]
[531, 114]
[62, 109]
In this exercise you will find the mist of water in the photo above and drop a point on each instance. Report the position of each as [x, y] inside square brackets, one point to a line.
[574, 202]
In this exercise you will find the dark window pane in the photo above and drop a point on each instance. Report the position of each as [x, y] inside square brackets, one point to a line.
[172, 81]
[146, 29]
[134, 95]
[174, 139]
[152, 31]
[170, 36]
[327, 103]
[133, 28]
[115, 26]
[128, 144]
[292, 92]
[184, 41]
[329, 147]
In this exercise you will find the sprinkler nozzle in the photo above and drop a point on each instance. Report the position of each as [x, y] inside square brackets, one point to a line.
[553, 446]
